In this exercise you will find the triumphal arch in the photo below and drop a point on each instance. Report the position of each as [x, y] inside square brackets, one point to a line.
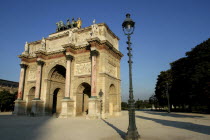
[64, 73]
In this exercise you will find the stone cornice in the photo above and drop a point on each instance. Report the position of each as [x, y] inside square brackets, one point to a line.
[40, 52]
[23, 56]
[106, 74]
[112, 48]
[73, 47]
[94, 42]
[110, 31]
[69, 45]
[35, 42]
[55, 52]
[83, 29]
[44, 56]
[66, 33]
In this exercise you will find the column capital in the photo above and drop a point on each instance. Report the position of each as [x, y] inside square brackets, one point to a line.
[40, 62]
[23, 66]
[94, 53]
[69, 57]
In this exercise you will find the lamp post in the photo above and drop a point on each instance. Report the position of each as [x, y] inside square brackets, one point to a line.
[101, 94]
[128, 28]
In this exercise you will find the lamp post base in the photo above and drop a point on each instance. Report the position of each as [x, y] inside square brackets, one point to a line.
[132, 135]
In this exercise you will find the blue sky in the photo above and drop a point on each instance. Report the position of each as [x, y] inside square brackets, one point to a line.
[165, 30]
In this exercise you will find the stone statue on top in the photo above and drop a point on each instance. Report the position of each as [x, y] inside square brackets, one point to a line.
[26, 51]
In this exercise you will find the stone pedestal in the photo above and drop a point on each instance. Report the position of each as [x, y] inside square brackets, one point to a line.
[37, 108]
[67, 109]
[20, 107]
[93, 108]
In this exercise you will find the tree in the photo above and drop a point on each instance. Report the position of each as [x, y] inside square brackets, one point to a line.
[142, 104]
[188, 80]
[181, 83]
[124, 105]
[164, 81]
[7, 101]
[199, 58]
[153, 101]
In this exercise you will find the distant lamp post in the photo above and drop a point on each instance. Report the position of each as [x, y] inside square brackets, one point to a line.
[101, 95]
[128, 27]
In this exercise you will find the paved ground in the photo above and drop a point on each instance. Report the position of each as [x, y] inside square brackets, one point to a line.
[151, 125]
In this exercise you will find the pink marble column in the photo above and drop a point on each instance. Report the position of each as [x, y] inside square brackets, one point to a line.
[94, 54]
[69, 58]
[21, 81]
[38, 79]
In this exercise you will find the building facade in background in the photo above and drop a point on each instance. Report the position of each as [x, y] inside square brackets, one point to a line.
[64, 73]
[9, 86]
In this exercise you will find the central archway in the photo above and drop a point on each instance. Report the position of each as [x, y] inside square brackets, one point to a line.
[31, 96]
[82, 97]
[56, 88]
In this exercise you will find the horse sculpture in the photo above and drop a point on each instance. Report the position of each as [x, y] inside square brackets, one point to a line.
[61, 26]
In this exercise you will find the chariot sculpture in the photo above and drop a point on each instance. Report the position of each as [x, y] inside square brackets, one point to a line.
[61, 26]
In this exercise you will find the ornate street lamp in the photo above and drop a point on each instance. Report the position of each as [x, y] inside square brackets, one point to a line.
[128, 27]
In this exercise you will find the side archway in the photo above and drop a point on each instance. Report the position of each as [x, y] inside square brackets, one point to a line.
[112, 99]
[31, 96]
[82, 96]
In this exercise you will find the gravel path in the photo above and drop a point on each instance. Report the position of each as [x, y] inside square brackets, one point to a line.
[151, 125]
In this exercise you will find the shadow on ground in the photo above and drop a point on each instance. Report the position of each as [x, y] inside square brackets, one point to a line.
[173, 115]
[21, 127]
[183, 125]
[120, 132]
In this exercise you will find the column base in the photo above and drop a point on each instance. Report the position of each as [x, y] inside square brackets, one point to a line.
[37, 108]
[67, 109]
[93, 109]
[20, 107]
[132, 135]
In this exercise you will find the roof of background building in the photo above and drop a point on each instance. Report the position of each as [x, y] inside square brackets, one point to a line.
[8, 83]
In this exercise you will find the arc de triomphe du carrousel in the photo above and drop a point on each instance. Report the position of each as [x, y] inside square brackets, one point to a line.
[64, 73]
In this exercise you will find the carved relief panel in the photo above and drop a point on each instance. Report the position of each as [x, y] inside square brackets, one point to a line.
[83, 58]
[32, 73]
[111, 67]
[83, 68]
[56, 76]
